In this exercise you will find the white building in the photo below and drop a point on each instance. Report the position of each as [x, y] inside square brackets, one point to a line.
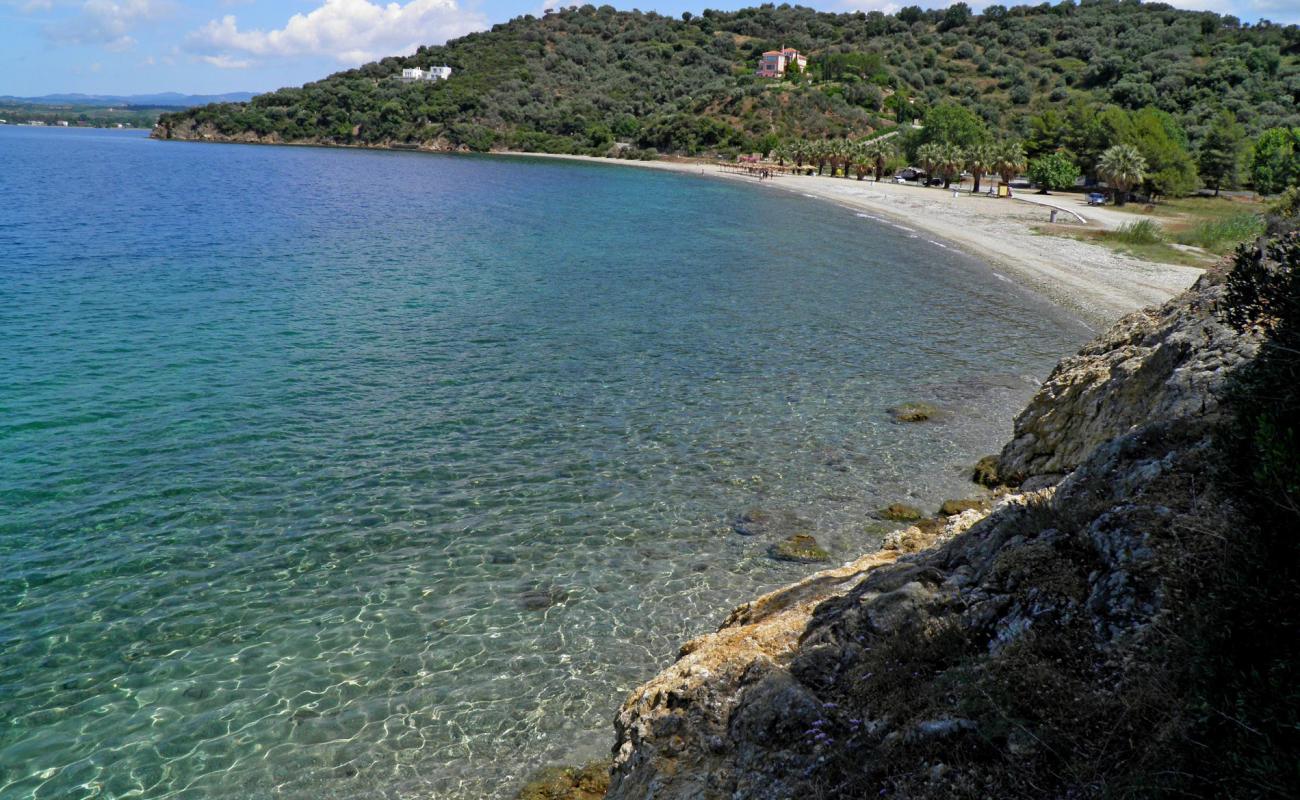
[431, 74]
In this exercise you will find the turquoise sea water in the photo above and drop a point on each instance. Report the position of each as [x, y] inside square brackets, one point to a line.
[336, 474]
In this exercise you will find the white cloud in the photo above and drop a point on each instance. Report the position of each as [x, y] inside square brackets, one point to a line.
[226, 62]
[106, 22]
[351, 31]
[885, 6]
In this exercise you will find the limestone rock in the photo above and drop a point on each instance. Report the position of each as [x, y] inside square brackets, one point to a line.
[1155, 364]
[567, 783]
[952, 508]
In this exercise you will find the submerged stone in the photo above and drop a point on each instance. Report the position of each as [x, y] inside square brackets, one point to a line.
[757, 522]
[542, 598]
[834, 458]
[879, 528]
[801, 548]
[900, 512]
[914, 412]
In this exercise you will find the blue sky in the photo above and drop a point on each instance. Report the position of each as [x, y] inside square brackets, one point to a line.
[212, 46]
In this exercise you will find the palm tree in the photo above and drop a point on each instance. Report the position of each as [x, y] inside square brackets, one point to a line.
[819, 153]
[980, 158]
[1010, 161]
[799, 151]
[879, 151]
[951, 159]
[844, 152]
[861, 159]
[928, 154]
[1123, 167]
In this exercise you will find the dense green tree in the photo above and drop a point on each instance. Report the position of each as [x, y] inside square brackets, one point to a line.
[1053, 171]
[1219, 157]
[1171, 169]
[1275, 163]
[952, 124]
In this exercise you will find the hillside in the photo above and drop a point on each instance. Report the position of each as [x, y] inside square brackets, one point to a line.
[580, 80]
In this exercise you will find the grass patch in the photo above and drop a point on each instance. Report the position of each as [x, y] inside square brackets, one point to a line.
[1139, 245]
[1143, 231]
[1189, 211]
[1221, 235]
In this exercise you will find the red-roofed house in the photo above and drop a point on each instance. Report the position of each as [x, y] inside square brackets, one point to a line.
[774, 63]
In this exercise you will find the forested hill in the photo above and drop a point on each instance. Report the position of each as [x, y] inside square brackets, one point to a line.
[584, 79]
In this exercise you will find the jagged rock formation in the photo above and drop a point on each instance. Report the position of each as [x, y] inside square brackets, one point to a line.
[1154, 364]
[1010, 653]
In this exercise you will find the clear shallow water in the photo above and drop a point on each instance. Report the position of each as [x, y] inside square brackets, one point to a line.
[337, 474]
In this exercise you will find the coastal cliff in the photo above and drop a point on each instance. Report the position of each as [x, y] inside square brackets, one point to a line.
[188, 129]
[1055, 646]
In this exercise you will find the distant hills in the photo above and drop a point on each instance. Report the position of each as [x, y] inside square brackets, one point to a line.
[173, 99]
[593, 79]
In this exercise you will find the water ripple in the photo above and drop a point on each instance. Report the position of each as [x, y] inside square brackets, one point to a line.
[333, 474]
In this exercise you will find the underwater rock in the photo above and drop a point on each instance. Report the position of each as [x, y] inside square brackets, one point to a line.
[801, 548]
[757, 522]
[832, 457]
[900, 512]
[542, 598]
[914, 412]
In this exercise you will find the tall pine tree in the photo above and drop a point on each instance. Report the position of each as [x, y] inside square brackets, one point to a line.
[1219, 157]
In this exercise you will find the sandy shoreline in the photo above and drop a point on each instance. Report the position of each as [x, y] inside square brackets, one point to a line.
[1089, 280]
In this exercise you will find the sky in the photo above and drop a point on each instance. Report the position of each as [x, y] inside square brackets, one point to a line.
[215, 46]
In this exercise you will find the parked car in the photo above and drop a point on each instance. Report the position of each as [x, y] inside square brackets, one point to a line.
[1096, 199]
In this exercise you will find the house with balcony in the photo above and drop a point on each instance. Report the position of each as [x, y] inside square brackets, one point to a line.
[774, 63]
[414, 74]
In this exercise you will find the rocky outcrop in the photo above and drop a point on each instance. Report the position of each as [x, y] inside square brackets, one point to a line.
[189, 130]
[1154, 364]
[999, 654]
[675, 733]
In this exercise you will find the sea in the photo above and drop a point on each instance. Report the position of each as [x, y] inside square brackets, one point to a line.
[340, 473]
